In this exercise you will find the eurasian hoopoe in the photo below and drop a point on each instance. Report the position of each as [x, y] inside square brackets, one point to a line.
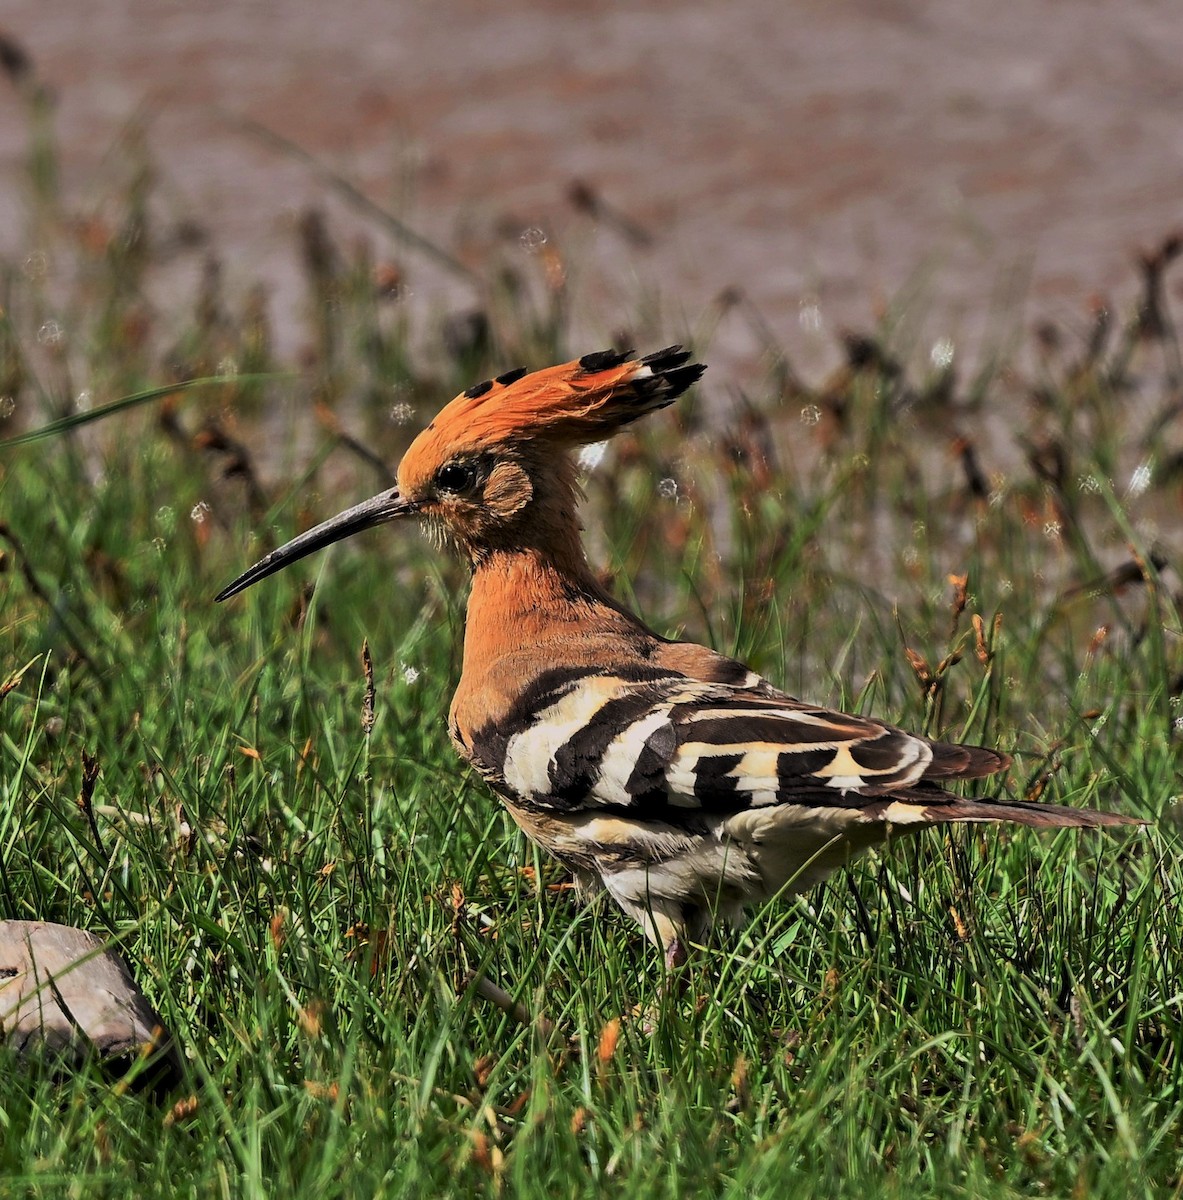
[675, 778]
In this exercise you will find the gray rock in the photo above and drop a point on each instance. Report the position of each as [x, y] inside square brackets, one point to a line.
[64, 995]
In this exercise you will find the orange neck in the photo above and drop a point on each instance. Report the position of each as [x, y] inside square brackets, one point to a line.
[530, 602]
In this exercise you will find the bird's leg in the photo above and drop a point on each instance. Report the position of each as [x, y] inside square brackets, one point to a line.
[676, 980]
[672, 987]
[675, 954]
[668, 931]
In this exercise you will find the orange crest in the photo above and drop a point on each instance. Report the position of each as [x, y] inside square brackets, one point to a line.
[573, 404]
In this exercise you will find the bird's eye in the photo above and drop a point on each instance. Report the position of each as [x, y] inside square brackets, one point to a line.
[454, 477]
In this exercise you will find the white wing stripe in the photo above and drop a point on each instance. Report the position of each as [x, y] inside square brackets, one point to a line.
[622, 754]
[530, 753]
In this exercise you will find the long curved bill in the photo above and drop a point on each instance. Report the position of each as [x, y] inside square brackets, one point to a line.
[375, 511]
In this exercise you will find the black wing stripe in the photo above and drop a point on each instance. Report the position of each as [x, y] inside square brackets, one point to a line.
[741, 730]
[793, 766]
[714, 785]
[735, 707]
[576, 764]
[880, 755]
[646, 783]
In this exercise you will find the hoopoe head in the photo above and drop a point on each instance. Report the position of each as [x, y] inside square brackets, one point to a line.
[494, 470]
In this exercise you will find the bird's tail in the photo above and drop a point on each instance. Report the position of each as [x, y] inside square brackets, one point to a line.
[921, 806]
[1027, 812]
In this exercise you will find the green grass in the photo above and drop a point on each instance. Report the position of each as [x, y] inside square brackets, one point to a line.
[987, 1012]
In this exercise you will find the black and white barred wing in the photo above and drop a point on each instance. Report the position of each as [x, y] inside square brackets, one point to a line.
[648, 745]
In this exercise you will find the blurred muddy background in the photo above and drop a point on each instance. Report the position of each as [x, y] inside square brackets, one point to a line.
[983, 170]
